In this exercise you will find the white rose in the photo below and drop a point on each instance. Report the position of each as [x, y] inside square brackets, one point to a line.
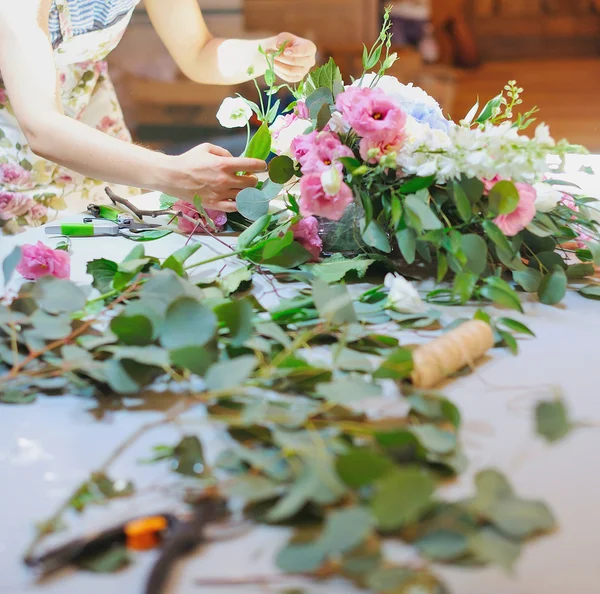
[403, 297]
[284, 133]
[331, 180]
[234, 113]
[547, 198]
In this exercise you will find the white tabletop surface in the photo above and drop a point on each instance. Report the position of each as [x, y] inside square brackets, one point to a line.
[48, 448]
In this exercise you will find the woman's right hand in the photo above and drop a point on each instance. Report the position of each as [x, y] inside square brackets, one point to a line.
[211, 173]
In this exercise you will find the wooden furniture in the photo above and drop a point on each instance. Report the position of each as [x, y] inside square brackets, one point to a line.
[332, 22]
[509, 29]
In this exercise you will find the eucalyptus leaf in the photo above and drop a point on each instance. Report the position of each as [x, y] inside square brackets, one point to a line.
[10, 263]
[374, 236]
[281, 169]
[420, 214]
[552, 420]
[187, 323]
[237, 316]
[553, 287]
[489, 546]
[591, 292]
[503, 198]
[348, 390]
[103, 272]
[361, 467]
[56, 296]
[230, 374]
[397, 366]
[252, 203]
[197, 359]
[333, 303]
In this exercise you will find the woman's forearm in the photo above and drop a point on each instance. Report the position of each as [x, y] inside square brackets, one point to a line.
[94, 154]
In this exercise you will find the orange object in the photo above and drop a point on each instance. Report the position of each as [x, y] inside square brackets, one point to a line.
[144, 534]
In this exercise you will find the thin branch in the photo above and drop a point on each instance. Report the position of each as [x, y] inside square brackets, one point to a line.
[135, 210]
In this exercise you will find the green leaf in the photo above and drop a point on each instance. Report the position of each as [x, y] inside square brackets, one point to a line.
[232, 282]
[434, 439]
[579, 271]
[443, 545]
[103, 271]
[591, 292]
[594, 248]
[166, 202]
[254, 231]
[196, 359]
[552, 420]
[503, 198]
[362, 467]
[414, 185]
[488, 111]
[252, 204]
[237, 316]
[176, 260]
[334, 303]
[509, 341]
[407, 242]
[189, 457]
[500, 293]
[374, 236]
[281, 169]
[300, 558]
[56, 296]
[51, 327]
[350, 163]
[553, 287]
[402, 497]
[521, 519]
[345, 529]
[315, 101]
[19, 396]
[323, 116]
[551, 259]
[10, 263]
[392, 580]
[135, 326]
[187, 323]
[491, 547]
[109, 561]
[230, 374]
[421, 216]
[327, 76]
[347, 390]
[398, 366]
[464, 285]
[529, 279]
[498, 238]
[259, 146]
[118, 379]
[475, 248]
[515, 326]
[337, 267]
[151, 235]
[462, 202]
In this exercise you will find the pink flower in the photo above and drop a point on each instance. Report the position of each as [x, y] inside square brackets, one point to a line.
[490, 183]
[306, 233]
[14, 205]
[318, 151]
[106, 123]
[40, 260]
[302, 111]
[373, 147]
[513, 223]
[12, 173]
[315, 201]
[584, 236]
[37, 215]
[371, 112]
[64, 178]
[185, 226]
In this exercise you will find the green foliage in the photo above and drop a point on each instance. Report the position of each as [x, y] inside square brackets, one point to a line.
[552, 420]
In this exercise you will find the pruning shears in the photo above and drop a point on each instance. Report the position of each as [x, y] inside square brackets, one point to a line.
[176, 536]
[104, 221]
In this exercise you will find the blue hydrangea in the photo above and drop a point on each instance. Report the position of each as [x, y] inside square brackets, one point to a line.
[430, 115]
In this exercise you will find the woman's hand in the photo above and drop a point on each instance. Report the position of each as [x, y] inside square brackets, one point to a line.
[211, 173]
[297, 59]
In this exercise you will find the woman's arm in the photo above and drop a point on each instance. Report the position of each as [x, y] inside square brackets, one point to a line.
[204, 59]
[29, 73]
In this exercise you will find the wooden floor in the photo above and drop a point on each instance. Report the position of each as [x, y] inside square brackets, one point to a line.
[566, 91]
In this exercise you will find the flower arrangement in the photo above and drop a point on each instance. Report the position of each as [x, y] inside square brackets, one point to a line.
[467, 202]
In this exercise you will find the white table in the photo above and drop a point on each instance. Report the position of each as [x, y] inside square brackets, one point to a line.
[46, 449]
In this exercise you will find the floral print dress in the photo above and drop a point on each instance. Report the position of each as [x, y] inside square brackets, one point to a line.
[32, 189]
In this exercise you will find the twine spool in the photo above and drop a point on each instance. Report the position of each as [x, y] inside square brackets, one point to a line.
[450, 353]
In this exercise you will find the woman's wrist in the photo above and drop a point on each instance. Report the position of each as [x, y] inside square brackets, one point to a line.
[164, 173]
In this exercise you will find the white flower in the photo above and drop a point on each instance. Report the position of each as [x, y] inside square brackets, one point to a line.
[331, 180]
[547, 198]
[234, 113]
[403, 297]
[338, 124]
[542, 135]
[284, 130]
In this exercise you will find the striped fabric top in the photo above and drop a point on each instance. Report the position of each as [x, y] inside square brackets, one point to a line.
[88, 15]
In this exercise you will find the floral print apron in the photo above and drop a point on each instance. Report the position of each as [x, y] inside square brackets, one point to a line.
[32, 189]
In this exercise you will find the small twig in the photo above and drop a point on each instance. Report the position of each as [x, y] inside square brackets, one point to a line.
[135, 210]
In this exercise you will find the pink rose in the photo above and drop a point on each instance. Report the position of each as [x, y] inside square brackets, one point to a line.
[513, 223]
[37, 215]
[302, 111]
[315, 201]
[371, 112]
[318, 151]
[14, 205]
[12, 173]
[306, 233]
[40, 260]
[383, 144]
[218, 217]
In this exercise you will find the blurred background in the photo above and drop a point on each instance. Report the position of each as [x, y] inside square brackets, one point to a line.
[457, 50]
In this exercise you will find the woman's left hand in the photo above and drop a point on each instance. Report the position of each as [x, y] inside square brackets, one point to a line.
[297, 59]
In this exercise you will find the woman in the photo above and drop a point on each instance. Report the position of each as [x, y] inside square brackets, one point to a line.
[61, 126]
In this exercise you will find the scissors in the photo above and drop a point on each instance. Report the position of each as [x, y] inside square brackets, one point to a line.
[177, 537]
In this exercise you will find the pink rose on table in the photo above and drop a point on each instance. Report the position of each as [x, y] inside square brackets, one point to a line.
[516, 221]
[218, 218]
[39, 260]
[306, 233]
[314, 200]
[318, 151]
[14, 205]
[12, 173]
[371, 112]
